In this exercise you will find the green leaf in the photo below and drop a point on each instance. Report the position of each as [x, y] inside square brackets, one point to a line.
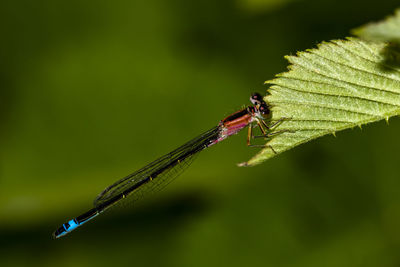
[339, 85]
[387, 30]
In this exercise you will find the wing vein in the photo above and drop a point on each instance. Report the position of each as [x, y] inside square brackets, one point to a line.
[157, 174]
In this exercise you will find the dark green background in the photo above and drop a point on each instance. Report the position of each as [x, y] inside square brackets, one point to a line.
[93, 90]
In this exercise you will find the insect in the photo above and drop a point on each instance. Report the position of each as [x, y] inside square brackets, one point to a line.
[163, 170]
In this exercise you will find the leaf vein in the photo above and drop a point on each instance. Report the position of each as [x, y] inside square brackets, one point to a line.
[342, 81]
[326, 107]
[380, 62]
[357, 69]
[347, 96]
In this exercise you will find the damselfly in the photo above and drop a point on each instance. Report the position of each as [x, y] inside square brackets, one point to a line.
[162, 171]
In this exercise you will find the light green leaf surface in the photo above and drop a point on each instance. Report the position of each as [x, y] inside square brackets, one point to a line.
[387, 30]
[339, 85]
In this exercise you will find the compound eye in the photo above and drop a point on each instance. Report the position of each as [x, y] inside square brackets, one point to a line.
[256, 98]
[264, 110]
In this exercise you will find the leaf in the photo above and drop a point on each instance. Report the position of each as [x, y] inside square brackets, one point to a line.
[339, 85]
[387, 30]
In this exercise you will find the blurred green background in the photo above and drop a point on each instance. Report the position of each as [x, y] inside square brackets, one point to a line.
[93, 90]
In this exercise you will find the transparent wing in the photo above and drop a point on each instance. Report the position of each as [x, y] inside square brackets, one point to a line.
[158, 173]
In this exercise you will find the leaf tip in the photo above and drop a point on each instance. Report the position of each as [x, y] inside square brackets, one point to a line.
[243, 164]
[267, 82]
[289, 58]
